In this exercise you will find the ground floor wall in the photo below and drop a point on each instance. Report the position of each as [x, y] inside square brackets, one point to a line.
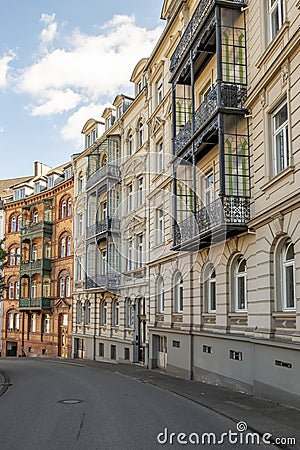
[265, 369]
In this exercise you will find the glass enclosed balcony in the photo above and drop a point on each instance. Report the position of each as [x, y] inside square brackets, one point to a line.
[34, 304]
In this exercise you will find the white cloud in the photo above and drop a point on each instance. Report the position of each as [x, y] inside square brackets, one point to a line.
[1, 129]
[72, 130]
[4, 68]
[49, 33]
[58, 102]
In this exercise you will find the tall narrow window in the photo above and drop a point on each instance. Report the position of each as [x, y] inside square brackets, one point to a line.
[33, 289]
[11, 291]
[160, 226]
[19, 223]
[209, 188]
[87, 313]
[140, 193]
[276, 15]
[130, 264]
[68, 287]
[140, 134]
[178, 293]
[129, 197]
[32, 326]
[34, 253]
[280, 139]
[160, 295]
[61, 287]
[46, 323]
[159, 157]
[78, 312]
[159, 88]
[13, 225]
[240, 285]
[63, 248]
[115, 313]
[288, 276]
[35, 217]
[140, 239]
[68, 250]
[130, 144]
[69, 207]
[103, 313]
[210, 289]
[128, 312]
[63, 209]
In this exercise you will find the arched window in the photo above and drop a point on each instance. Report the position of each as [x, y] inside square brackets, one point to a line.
[103, 313]
[178, 293]
[68, 248]
[19, 225]
[17, 290]
[33, 289]
[240, 284]
[69, 207]
[130, 144]
[160, 295]
[16, 321]
[34, 253]
[18, 256]
[61, 287]
[87, 313]
[10, 321]
[210, 289]
[63, 247]
[35, 217]
[63, 212]
[80, 183]
[140, 134]
[12, 257]
[115, 313]
[78, 312]
[13, 225]
[287, 263]
[11, 290]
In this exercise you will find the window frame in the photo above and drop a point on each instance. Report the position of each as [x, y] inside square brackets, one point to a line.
[281, 13]
[239, 275]
[282, 128]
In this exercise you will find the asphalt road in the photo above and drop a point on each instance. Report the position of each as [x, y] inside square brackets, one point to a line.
[53, 405]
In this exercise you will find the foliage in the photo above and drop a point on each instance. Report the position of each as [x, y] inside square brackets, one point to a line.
[3, 255]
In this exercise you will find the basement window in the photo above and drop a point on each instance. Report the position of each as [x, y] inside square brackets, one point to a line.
[238, 356]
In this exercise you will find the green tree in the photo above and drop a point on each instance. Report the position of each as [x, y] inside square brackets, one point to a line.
[3, 256]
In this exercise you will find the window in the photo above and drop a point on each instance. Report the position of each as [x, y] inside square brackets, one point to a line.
[35, 217]
[63, 209]
[33, 289]
[47, 323]
[103, 313]
[280, 139]
[115, 313]
[37, 187]
[140, 134]
[62, 247]
[159, 157]
[140, 240]
[80, 183]
[288, 293]
[140, 193]
[10, 321]
[32, 325]
[240, 284]
[16, 321]
[17, 289]
[160, 295]
[101, 349]
[19, 227]
[19, 194]
[64, 320]
[129, 197]
[68, 173]
[13, 225]
[69, 207]
[210, 290]
[34, 253]
[130, 255]
[18, 256]
[160, 226]
[68, 287]
[159, 88]
[276, 15]
[130, 144]
[68, 249]
[178, 293]
[87, 313]
[61, 287]
[209, 188]
[12, 257]
[48, 250]
[78, 312]
[50, 182]
[103, 262]
[79, 268]
[80, 224]
[128, 312]
[11, 291]
[104, 211]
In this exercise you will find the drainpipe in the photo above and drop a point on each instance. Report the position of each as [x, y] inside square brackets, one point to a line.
[95, 325]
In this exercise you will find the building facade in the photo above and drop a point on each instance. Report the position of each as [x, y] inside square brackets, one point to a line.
[37, 312]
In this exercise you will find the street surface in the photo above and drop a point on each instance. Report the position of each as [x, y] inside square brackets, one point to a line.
[55, 404]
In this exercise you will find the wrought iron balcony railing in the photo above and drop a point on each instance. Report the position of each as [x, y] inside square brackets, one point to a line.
[197, 21]
[229, 212]
[232, 96]
[101, 174]
[109, 281]
[108, 224]
[35, 303]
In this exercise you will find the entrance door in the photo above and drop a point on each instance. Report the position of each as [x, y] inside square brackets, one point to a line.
[63, 336]
[141, 329]
[11, 348]
[162, 352]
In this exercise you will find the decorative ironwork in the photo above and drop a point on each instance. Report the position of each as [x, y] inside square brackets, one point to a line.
[111, 280]
[101, 174]
[197, 21]
[228, 211]
[106, 225]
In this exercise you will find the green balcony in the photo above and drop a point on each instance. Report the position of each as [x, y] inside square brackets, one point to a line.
[32, 230]
[40, 266]
[34, 304]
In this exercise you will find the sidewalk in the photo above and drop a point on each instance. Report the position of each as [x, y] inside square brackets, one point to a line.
[261, 416]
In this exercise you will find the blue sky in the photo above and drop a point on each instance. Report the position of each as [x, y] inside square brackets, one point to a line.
[62, 62]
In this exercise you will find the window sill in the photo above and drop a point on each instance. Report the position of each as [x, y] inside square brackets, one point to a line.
[285, 172]
[272, 45]
[285, 314]
[242, 313]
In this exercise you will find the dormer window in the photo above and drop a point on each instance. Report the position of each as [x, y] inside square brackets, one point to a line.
[37, 187]
[68, 173]
[119, 111]
[50, 182]
[19, 194]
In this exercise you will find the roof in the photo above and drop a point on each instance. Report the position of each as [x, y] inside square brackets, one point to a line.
[7, 185]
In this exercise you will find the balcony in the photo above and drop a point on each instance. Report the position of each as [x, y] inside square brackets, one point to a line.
[197, 28]
[220, 220]
[38, 266]
[109, 281]
[231, 100]
[34, 304]
[104, 226]
[36, 229]
[108, 171]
